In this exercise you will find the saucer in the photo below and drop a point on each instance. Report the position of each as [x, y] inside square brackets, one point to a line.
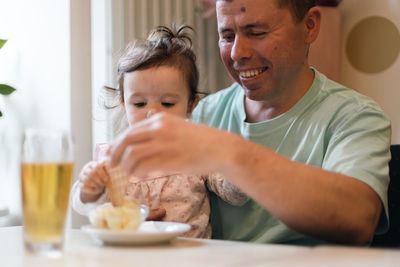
[149, 232]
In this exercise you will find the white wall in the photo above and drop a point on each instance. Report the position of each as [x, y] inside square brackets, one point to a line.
[37, 58]
[36, 61]
[102, 66]
[39, 62]
[80, 88]
[383, 86]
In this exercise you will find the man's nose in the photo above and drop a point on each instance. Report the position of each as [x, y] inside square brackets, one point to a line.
[240, 49]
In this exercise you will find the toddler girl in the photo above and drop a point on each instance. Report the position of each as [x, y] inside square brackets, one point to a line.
[159, 75]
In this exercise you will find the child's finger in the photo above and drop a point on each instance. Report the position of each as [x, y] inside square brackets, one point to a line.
[89, 166]
[87, 189]
[93, 189]
[102, 173]
[86, 171]
[97, 181]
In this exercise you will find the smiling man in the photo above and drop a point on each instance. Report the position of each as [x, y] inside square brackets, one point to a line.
[311, 154]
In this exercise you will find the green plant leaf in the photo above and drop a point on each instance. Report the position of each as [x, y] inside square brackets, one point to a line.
[1, 114]
[6, 89]
[2, 42]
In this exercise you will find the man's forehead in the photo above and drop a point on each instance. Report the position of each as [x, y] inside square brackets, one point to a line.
[229, 1]
[242, 9]
[243, 2]
[238, 6]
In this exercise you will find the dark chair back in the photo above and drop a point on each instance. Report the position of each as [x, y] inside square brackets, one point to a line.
[392, 237]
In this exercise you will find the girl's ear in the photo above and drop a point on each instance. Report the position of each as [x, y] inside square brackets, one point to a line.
[192, 106]
[312, 22]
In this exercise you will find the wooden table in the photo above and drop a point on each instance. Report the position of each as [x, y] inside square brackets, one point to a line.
[81, 250]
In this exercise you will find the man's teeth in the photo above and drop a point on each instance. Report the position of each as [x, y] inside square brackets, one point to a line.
[250, 73]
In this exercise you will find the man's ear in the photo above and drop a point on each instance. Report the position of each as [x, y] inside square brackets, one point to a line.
[312, 22]
[192, 106]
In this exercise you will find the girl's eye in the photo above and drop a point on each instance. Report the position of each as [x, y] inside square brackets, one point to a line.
[139, 104]
[168, 105]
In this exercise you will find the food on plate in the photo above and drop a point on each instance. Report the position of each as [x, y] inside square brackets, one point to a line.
[127, 216]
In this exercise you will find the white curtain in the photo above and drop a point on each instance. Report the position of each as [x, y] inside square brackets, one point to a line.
[133, 19]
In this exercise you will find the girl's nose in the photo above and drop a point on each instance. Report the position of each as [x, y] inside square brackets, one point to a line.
[151, 112]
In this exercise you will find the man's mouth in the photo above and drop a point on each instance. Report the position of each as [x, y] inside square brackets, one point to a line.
[251, 73]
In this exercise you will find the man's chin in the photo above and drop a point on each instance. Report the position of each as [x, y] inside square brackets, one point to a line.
[253, 93]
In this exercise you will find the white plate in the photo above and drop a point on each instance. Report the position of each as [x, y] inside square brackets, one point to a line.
[148, 233]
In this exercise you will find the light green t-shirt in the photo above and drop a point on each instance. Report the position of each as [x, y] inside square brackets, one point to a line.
[331, 127]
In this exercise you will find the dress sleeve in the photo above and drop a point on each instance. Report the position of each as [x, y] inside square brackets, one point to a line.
[226, 190]
[79, 206]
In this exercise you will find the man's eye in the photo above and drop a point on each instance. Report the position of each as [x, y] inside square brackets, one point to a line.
[139, 104]
[257, 34]
[168, 105]
[228, 38]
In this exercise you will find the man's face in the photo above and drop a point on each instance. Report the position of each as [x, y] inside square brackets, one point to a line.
[261, 46]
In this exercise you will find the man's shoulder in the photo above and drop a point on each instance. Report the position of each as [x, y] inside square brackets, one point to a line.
[217, 103]
[227, 93]
[336, 94]
[219, 106]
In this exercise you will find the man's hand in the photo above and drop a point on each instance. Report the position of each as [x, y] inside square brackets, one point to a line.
[170, 144]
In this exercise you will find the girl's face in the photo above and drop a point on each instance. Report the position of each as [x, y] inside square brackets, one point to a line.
[154, 90]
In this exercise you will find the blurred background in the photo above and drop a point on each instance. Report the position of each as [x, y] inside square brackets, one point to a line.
[60, 53]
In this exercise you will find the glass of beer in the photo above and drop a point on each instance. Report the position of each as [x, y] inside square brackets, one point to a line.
[46, 175]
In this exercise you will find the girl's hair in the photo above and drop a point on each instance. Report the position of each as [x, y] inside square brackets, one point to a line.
[163, 47]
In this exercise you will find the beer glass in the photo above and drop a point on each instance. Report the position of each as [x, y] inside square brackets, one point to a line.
[46, 175]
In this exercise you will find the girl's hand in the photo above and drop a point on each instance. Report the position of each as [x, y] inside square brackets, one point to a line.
[92, 179]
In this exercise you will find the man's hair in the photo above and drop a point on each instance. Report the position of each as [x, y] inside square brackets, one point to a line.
[298, 8]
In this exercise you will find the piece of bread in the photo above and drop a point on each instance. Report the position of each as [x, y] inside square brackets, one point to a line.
[116, 185]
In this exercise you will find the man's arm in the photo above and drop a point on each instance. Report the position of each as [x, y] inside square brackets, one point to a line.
[310, 200]
[326, 205]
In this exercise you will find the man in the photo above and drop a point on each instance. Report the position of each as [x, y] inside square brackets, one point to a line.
[311, 154]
